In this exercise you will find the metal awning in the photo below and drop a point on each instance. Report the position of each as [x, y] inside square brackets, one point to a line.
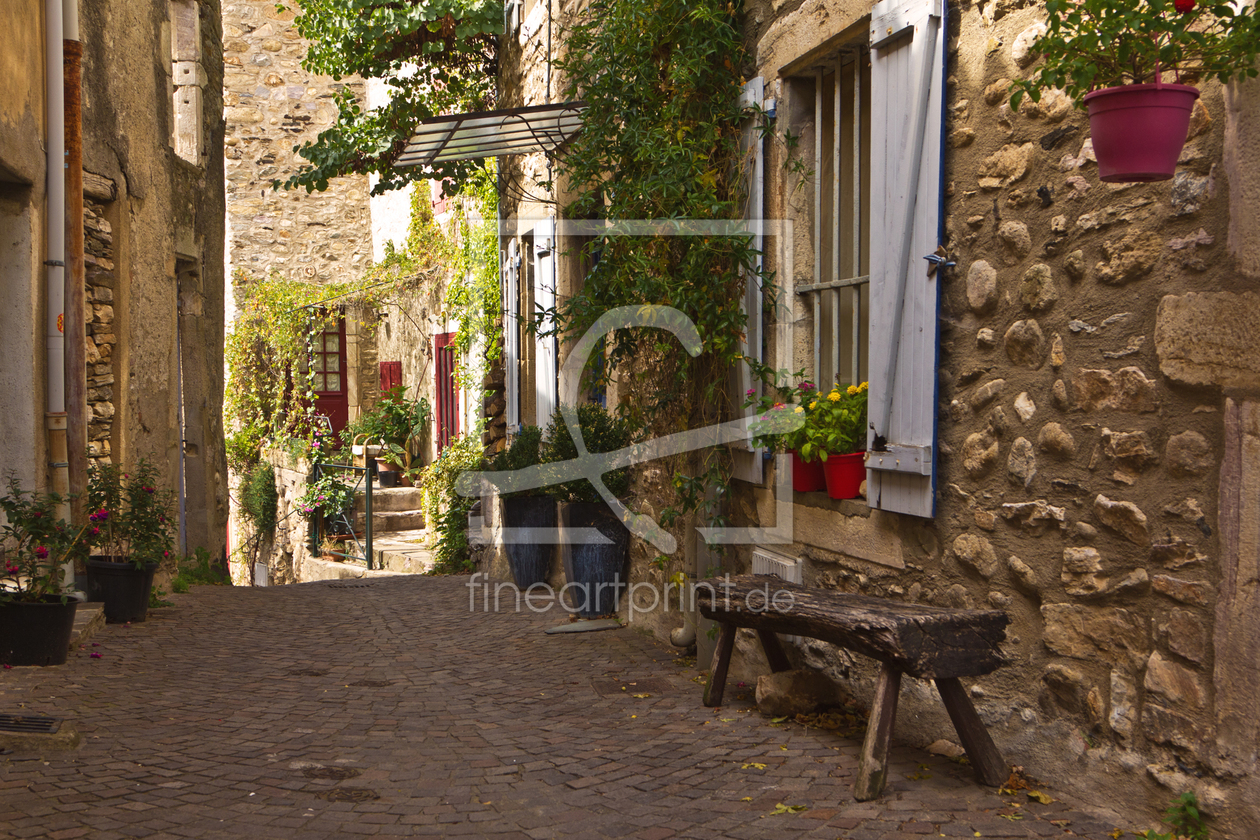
[483, 134]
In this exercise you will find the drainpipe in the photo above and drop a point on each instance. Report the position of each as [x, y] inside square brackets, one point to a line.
[55, 220]
[75, 304]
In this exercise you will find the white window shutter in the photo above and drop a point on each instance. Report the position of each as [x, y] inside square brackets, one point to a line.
[511, 338]
[748, 463]
[544, 300]
[907, 84]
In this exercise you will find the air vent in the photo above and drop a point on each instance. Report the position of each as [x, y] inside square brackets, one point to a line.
[790, 569]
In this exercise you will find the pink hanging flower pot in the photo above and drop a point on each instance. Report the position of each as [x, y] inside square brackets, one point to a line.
[1138, 130]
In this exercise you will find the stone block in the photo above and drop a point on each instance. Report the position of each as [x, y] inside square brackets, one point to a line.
[1034, 516]
[796, 692]
[1189, 454]
[1131, 449]
[1025, 343]
[976, 553]
[1185, 633]
[1124, 697]
[1125, 518]
[982, 288]
[1054, 440]
[1016, 239]
[1208, 338]
[980, 452]
[1185, 591]
[1081, 572]
[1111, 634]
[1038, 290]
[1021, 463]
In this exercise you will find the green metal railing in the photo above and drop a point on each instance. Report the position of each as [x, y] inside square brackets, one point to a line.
[366, 476]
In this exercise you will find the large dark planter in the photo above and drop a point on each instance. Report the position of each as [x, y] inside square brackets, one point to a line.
[37, 632]
[122, 587]
[595, 574]
[530, 562]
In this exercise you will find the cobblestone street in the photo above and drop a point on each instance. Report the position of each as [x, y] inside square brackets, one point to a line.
[388, 708]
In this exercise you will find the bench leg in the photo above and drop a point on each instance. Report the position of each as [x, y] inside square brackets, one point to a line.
[873, 763]
[775, 654]
[985, 758]
[721, 662]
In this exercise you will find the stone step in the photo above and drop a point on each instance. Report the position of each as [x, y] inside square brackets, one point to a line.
[390, 520]
[392, 499]
[88, 618]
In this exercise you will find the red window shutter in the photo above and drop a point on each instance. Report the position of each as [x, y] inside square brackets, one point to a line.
[391, 375]
[446, 393]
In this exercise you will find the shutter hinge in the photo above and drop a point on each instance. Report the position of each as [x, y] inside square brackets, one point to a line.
[938, 260]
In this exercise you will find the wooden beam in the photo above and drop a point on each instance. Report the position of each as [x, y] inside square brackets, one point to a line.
[873, 762]
[985, 758]
[721, 662]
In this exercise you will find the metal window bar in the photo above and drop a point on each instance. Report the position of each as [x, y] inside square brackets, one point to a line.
[837, 268]
[367, 477]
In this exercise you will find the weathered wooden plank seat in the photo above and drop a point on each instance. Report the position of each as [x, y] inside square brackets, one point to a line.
[931, 643]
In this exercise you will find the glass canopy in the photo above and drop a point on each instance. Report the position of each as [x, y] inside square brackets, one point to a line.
[482, 134]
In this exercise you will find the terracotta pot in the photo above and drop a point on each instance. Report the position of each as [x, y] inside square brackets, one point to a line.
[1138, 130]
[845, 474]
[807, 477]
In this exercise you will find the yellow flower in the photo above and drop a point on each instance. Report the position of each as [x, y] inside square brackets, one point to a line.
[811, 405]
[852, 391]
[799, 409]
[834, 396]
[863, 387]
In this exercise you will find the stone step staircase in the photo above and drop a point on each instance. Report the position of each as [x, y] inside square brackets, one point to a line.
[393, 509]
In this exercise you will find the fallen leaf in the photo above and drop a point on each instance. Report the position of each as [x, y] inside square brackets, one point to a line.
[746, 799]
[1043, 798]
[754, 765]
[727, 720]
[778, 720]
[640, 696]
[1011, 817]
[782, 747]
[780, 808]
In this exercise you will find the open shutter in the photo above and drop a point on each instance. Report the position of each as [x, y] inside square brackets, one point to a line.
[391, 375]
[511, 336]
[544, 300]
[748, 464]
[907, 64]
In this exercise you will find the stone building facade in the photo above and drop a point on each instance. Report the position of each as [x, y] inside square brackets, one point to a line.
[153, 222]
[1090, 384]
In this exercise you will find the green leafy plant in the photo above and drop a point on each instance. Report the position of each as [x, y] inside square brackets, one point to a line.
[129, 518]
[395, 423]
[197, 570]
[435, 56]
[448, 509]
[329, 496]
[1091, 44]
[1185, 818]
[259, 497]
[524, 451]
[34, 544]
[602, 431]
[835, 423]
[783, 406]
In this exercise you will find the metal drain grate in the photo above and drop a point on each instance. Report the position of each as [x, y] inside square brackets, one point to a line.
[349, 585]
[348, 794]
[29, 724]
[337, 773]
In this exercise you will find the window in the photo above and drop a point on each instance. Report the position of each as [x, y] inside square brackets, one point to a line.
[833, 128]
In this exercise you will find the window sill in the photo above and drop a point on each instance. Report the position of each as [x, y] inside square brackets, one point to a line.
[821, 501]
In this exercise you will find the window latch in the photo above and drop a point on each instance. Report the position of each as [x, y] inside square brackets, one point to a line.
[937, 260]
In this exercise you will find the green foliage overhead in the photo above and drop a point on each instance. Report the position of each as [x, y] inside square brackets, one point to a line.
[437, 56]
[1092, 44]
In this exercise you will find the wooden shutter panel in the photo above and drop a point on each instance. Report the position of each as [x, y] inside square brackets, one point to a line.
[545, 299]
[391, 375]
[907, 85]
[511, 336]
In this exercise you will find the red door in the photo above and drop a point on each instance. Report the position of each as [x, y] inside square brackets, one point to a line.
[328, 362]
[447, 395]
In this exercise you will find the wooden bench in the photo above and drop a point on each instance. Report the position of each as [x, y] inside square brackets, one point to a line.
[931, 643]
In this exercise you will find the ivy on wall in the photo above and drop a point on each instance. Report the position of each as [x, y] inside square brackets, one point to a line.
[661, 140]
[473, 297]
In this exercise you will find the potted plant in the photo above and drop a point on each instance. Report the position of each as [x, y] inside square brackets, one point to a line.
[782, 425]
[36, 615]
[835, 431]
[129, 531]
[390, 431]
[330, 498]
[1114, 56]
[597, 573]
[530, 561]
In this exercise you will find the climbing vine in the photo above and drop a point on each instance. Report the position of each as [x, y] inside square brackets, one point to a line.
[661, 140]
[472, 297]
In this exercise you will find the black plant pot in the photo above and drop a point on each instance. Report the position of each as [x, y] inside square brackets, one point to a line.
[530, 562]
[36, 632]
[122, 587]
[595, 574]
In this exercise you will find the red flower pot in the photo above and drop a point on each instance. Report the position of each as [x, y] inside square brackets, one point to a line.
[807, 477]
[845, 474]
[1138, 130]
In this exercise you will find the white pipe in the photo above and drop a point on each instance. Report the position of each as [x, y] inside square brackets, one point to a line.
[56, 215]
[70, 20]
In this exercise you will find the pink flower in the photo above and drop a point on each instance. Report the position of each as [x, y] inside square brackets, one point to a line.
[95, 530]
[807, 386]
[41, 551]
[94, 655]
[750, 392]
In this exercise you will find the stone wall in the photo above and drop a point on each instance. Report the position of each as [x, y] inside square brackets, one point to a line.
[271, 105]
[99, 260]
